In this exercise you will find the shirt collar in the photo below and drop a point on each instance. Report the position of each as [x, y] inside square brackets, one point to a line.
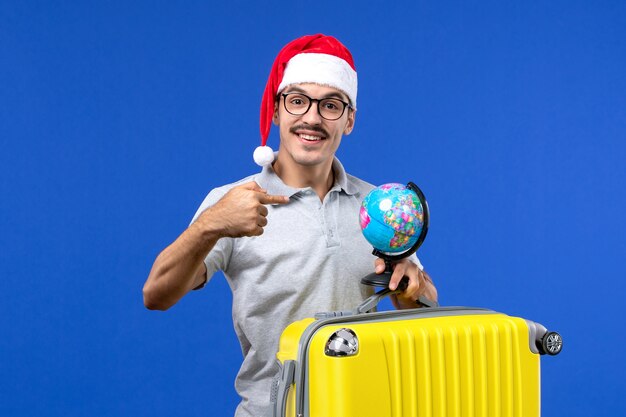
[268, 180]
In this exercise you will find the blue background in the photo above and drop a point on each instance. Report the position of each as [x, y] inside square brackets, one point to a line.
[116, 118]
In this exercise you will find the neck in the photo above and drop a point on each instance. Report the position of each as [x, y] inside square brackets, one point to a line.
[320, 178]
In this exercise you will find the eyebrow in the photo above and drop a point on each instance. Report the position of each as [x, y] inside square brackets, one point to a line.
[295, 89]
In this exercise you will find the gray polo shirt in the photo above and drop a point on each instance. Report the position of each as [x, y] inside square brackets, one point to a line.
[310, 258]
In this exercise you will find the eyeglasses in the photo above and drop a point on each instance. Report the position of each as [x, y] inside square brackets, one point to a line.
[329, 108]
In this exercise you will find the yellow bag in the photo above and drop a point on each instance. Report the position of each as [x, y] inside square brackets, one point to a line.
[435, 362]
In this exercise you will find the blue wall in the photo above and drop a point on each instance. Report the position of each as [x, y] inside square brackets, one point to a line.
[116, 120]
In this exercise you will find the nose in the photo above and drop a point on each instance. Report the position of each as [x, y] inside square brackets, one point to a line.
[312, 116]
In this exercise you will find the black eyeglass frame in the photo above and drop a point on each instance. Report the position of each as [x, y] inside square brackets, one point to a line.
[311, 100]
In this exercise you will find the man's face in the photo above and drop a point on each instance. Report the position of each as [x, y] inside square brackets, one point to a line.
[309, 139]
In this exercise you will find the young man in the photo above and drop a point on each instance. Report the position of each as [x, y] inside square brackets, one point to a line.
[287, 239]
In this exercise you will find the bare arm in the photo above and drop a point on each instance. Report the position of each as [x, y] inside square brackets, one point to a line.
[180, 267]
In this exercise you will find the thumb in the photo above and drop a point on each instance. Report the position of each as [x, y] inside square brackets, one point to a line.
[252, 185]
[379, 265]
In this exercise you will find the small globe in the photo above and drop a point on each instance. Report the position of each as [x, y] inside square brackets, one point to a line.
[392, 218]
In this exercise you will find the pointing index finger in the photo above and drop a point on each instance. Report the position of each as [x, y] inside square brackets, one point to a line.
[273, 199]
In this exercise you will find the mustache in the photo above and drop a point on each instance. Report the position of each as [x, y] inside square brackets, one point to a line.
[317, 129]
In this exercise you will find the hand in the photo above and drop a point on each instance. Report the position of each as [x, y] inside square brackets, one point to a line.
[419, 284]
[240, 212]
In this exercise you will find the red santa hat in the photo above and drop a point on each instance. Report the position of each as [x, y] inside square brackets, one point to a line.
[318, 59]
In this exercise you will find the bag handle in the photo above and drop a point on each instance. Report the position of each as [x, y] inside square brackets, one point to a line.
[280, 388]
[370, 303]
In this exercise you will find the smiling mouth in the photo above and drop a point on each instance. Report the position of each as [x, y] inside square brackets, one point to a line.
[309, 133]
[310, 138]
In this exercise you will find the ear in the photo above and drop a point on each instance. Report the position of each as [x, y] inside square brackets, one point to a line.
[350, 123]
[275, 118]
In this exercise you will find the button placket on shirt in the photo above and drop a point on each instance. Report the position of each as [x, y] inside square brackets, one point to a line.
[329, 221]
[325, 214]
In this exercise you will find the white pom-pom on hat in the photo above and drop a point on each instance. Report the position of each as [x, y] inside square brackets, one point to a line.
[263, 155]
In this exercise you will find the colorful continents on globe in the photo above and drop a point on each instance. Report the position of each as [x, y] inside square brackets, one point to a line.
[391, 218]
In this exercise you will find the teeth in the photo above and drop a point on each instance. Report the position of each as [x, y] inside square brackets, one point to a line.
[309, 137]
